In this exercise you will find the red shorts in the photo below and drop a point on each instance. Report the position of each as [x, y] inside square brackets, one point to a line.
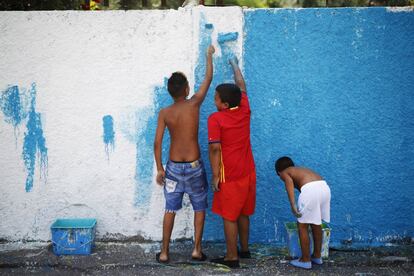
[236, 198]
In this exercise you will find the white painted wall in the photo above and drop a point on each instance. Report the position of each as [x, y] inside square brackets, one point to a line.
[87, 65]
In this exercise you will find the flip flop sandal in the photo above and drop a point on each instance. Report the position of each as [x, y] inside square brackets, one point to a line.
[245, 255]
[200, 259]
[157, 257]
[231, 264]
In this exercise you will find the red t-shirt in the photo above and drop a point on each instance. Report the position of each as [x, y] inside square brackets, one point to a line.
[231, 128]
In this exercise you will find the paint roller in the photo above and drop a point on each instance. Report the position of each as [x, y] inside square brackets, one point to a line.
[222, 38]
[226, 37]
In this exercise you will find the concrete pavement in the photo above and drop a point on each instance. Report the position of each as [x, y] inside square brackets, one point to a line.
[138, 258]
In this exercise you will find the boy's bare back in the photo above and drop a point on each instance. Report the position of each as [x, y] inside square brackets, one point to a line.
[182, 119]
[301, 176]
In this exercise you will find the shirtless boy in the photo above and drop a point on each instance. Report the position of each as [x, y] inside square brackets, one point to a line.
[184, 172]
[313, 206]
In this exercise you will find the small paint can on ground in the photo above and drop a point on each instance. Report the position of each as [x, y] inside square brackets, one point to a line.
[293, 242]
[73, 236]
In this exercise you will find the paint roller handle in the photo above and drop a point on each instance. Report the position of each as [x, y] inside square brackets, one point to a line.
[234, 61]
[238, 76]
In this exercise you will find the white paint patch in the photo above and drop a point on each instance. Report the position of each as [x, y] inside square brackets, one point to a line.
[275, 102]
[400, 9]
[359, 32]
[86, 66]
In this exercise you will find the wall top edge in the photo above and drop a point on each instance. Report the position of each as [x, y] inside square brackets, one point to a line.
[246, 9]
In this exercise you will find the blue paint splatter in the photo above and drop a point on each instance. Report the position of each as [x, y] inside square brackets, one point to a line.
[109, 133]
[34, 143]
[145, 140]
[14, 103]
[11, 106]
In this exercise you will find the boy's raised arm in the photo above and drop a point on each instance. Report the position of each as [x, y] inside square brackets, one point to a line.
[158, 148]
[290, 189]
[202, 92]
[238, 76]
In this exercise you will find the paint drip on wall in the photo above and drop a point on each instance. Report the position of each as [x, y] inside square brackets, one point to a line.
[34, 144]
[108, 134]
[145, 140]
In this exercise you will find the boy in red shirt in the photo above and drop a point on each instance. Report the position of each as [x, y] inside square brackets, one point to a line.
[232, 165]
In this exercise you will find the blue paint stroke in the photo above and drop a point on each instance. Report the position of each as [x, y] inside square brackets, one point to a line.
[109, 133]
[208, 107]
[34, 143]
[222, 73]
[145, 141]
[206, 29]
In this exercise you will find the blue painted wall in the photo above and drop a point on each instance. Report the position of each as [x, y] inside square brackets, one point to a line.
[333, 89]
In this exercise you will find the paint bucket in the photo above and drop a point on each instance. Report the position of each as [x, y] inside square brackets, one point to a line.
[73, 236]
[293, 242]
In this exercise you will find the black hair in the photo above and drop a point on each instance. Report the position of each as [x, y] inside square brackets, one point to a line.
[177, 84]
[229, 93]
[283, 163]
